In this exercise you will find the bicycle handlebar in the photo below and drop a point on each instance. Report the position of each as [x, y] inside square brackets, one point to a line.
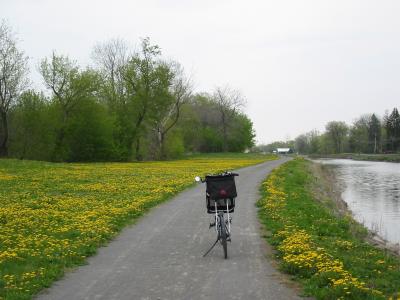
[226, 173]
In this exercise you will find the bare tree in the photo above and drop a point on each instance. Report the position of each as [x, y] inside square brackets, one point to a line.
[181, 91]
[229, 102]
[13, 79]
[110, 57]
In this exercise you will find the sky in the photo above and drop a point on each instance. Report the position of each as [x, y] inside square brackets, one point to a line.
[299, 64]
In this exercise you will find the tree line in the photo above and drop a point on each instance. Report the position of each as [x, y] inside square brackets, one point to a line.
[129, 105]
[368, 134]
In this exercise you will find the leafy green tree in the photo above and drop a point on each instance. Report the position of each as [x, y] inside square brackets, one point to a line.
[31, 127]
[211, 140]
[241, 134]
[359, 135]
[146, 81]
[13, 80]
[69, 86]
[89, 133]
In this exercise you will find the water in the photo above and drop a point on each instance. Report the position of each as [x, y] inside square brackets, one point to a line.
[372, 192]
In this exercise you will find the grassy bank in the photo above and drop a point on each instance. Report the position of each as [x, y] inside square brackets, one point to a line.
[326, 252]
[366, 157]
[52, 216]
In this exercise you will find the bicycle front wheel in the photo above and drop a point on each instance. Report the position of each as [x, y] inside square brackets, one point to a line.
[223, 236]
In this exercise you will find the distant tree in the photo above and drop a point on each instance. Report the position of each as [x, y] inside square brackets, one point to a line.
[13, 80]
[392, 125]
[359, 135]
[269, 148]
[374, 134]
[229, 102]
[301, 144]
[337, 133]
[200, 124]
[313, 138]
[241, 134]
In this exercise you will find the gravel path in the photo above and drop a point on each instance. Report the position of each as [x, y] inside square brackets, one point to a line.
[161, 256]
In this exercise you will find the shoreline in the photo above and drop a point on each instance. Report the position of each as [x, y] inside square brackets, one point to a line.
[330, 188]
[394, 158]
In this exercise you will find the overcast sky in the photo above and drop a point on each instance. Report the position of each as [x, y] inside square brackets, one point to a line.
[299, 63]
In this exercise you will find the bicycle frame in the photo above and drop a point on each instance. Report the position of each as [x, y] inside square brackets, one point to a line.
[217, 217]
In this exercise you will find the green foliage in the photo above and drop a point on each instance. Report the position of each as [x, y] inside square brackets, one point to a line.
[241, 136]
[132, 107]
[174, 146]
[336, 133]
[368, 134]
[32, 135]
[89, 133]
[392, 125]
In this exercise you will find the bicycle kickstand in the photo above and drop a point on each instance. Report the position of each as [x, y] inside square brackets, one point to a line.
[211, 248]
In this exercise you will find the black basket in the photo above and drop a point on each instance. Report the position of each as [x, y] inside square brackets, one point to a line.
[221, 186]
[221, 205]
[221, 189]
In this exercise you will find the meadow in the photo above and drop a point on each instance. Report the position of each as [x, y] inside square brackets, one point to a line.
[325, 251]
[54, 215]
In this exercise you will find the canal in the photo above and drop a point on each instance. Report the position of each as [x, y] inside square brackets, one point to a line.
[372, 192]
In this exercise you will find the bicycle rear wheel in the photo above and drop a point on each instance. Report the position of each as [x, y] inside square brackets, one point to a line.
[223, 236]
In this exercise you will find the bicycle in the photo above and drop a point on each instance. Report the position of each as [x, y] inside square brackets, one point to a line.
[220, 200]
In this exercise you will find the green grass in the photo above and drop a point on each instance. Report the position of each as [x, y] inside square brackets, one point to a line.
[322, 250]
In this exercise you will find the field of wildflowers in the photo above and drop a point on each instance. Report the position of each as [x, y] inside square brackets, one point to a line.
[52, 216]
[326, 253]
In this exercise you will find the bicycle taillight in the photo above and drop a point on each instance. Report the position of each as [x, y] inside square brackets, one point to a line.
[223, 193]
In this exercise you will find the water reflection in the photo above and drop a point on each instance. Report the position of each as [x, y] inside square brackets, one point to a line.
[372, 192]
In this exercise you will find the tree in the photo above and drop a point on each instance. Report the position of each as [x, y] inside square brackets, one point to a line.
[229, 102]
[13, 80]
[168, 112]
[374, 134]
[313, 138]
[392, 125]
[111, 57]
[89, 132]
[146, 80]
[301, 144]
[337, 132]
[69, 86]
[358, 135]
[31, 127]
[241, 134]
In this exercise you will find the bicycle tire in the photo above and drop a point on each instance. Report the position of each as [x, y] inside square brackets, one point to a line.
[223, 236]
